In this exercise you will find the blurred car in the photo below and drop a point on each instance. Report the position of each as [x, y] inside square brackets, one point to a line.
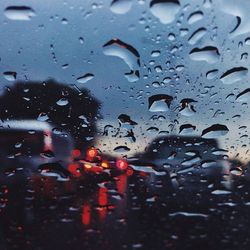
[188, 161]
[29, 146]
[96, 165]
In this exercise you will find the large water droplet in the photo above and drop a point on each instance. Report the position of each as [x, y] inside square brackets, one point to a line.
[195, 17]
[212, 74]
[21, 13]
[62, 102]
[215, 131]
[238, 171]
[186, 129]
[244, 96]
[127, 53]
[42, 117]
[165, 10]
[209, 54]
[197, 35]
[120, 6]
[159, 103]
[187, 108]
[10, 76]
[153, 130]
[240, 11]
[121, 149]
[234, 75]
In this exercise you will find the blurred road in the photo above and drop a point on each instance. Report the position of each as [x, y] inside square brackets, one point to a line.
[125, 214]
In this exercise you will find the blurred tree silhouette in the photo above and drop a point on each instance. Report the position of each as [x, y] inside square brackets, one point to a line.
[64, 106]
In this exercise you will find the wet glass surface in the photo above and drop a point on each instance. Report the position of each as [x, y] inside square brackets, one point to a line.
[124, 124]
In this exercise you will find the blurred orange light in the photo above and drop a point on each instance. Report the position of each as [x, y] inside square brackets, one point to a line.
[92, 153]
[105, 164]
[87, 166]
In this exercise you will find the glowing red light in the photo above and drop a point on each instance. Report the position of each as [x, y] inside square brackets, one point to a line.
[103, 201]
[86, 214]
[74, 169]
[121, 164]
[143, 174]
[76, 153]
[129, 172]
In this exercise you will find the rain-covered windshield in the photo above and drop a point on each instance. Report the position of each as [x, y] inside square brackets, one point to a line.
[134, 118]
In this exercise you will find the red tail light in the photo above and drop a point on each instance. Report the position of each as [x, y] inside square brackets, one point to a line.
[122, 164]
[74, 169]
[129, 172]
[76, 153]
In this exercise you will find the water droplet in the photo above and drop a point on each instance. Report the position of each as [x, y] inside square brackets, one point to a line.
[152, 130]
[197, 35]
[156, 84]
[215, 131]
[167, 80]
[207, 4]
[221, 192]
[10, 75]
[171, 37]
[132, 76]
[238, 171]
[219, 152]
[247, 41]
[155, 53]
[65, 66]
[183, 32]
[64, 21]
[121, 149]
[120, 6]
[195, 17]
[159, 103]
[234, 75]
[191, 161]
[81, 40]
[125, 119]
[47, 154]
[158, 69]
[212, 74]
[186, 129]
[83, 79]
[209, 54]
[18, 145]
[208, 164]
[127, 53]
[62, 102]
[21, 13]
[187, 108]
[165, 10]
[244, 96]
[240, 12]
[42, 117]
